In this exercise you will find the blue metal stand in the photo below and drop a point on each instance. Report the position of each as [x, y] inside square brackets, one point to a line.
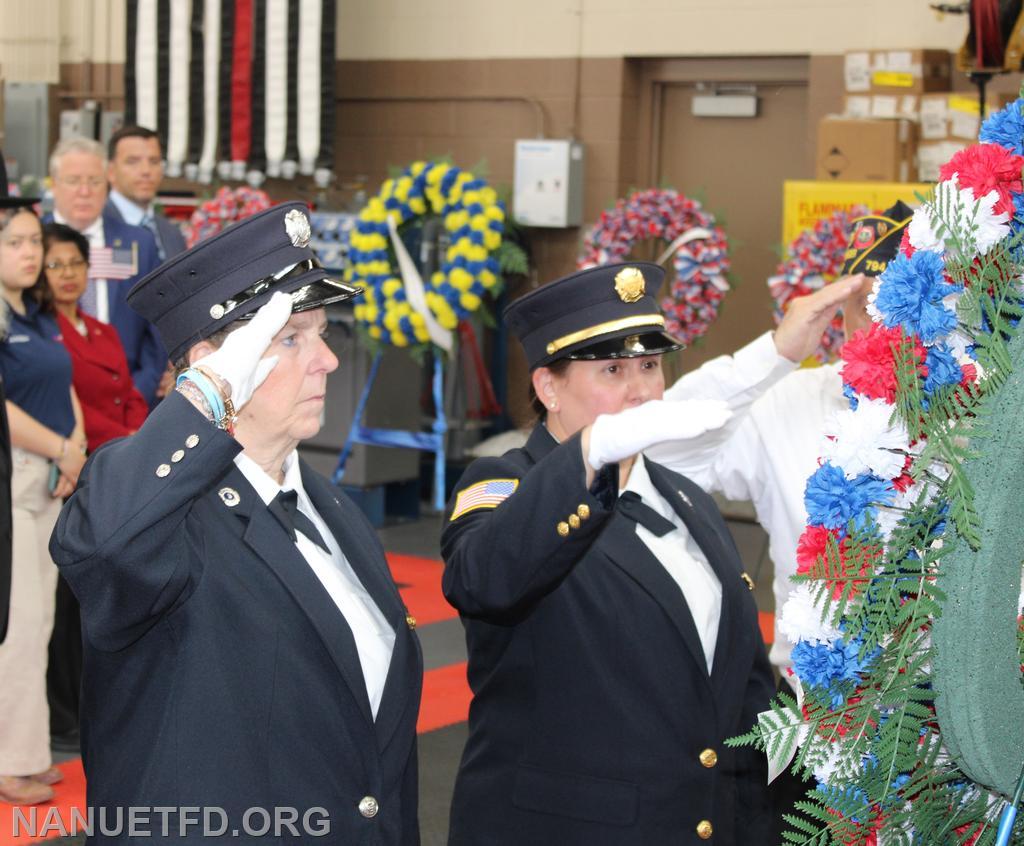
[432, 441]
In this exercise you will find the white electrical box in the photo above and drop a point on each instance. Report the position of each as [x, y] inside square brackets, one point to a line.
[548, 183]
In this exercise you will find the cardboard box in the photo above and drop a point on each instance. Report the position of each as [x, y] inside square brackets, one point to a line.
[932, 155]
[866, 150]
[948, 116]
[882, 106]
[897, 71]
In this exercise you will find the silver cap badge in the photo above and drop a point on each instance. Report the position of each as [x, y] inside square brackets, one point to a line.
[296, 224]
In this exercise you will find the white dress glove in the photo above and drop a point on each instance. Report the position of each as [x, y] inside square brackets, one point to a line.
[239, 361]
[614, 437]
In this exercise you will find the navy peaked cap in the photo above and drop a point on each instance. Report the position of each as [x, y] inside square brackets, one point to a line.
[229, 276]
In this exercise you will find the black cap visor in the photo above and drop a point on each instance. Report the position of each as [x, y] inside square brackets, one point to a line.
[307, 282]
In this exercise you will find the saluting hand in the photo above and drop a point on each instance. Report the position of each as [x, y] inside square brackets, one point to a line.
[239, 361]
[613, 437]
[806, 318]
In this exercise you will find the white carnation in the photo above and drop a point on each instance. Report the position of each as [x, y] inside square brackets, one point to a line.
[867, 440]
[969, 221]
[801, 618]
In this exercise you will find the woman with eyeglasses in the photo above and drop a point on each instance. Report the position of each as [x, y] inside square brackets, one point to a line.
[48, 451]
[111, 404]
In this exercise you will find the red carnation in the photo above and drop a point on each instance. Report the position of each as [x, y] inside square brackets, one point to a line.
[812, 547]
[869, 364]
[984, 168]
[905, 246]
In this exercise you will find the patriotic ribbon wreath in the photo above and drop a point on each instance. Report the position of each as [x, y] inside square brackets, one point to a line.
[813, 259]
[701, 255]
[227, 206]
[910, 711]
[474, 220]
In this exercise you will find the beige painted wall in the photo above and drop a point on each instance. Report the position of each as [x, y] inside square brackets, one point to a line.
[446, 29]
[93, 30]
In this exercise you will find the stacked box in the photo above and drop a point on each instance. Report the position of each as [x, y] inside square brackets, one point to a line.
[897, 72]
[950, 122]
[867, 150]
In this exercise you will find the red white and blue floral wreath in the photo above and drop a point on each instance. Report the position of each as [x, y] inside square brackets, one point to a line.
[909, 714]
[698, 244]
[813, 259]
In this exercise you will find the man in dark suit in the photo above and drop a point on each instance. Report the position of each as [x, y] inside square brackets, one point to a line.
[121, 254]
[135, 171]
[246, 650]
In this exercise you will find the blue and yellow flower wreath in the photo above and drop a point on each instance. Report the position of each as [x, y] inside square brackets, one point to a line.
[474, 219]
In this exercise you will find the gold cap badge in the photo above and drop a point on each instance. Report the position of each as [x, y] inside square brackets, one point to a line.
[629, 284]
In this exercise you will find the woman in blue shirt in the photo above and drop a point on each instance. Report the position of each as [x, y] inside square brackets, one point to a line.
[48, 441]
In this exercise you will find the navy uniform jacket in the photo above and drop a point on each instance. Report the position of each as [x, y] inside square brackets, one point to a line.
[218, 672]
[592, 704]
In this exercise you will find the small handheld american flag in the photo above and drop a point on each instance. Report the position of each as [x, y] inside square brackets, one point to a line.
[114, 262]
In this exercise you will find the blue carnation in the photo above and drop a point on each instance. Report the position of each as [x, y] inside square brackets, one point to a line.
[833, 501]
[1005, 127]
[851, 396]
[911, 294]
[826, 666]
[943, 369]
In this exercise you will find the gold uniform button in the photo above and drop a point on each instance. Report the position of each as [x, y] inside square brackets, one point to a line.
[705, 830]
[410, 621]
[584, 512]
[563, 528]
[177, 456]
[709, 757]
[163, 470]
[368, 807]
[192, 441]
[574, 521]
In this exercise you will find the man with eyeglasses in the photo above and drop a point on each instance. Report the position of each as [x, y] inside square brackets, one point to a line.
[120, 255]
[135, 171]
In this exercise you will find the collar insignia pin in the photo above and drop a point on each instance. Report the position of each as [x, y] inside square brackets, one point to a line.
[229, 496]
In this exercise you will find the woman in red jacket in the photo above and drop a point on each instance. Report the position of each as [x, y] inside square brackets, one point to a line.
[111, 404]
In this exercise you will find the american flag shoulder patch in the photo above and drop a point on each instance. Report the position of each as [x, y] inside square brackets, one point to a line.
[489, 493]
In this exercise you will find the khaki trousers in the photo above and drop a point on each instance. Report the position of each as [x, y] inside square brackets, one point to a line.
[24, 714]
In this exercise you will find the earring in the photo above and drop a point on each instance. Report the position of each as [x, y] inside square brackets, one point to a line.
[554, 406]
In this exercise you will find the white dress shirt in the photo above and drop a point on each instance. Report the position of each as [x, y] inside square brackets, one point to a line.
[684, 560]
[773, 446]
[373, 635]
[132, 212]
[95, 236]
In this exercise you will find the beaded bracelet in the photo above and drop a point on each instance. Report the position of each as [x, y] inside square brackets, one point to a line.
[207, 389]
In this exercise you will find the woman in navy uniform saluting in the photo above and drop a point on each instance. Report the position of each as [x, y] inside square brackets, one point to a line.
[613, 637]
[245, 646]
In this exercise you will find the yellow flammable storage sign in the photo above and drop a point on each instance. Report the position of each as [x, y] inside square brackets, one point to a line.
[805, 202]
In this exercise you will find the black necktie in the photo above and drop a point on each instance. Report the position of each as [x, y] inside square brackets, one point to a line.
[636, 509]
[285, 507]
